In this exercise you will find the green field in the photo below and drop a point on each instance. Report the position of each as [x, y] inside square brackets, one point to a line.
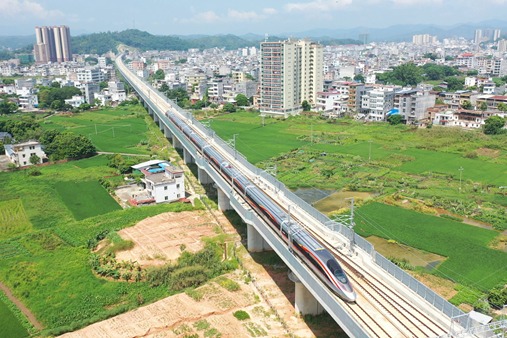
[9, 324]
[47, 268]
[86, 198]
[119, 130]
[13, 219]
[470, 261]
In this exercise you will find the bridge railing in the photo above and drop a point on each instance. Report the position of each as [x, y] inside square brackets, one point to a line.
[422, 290]
[416, 286]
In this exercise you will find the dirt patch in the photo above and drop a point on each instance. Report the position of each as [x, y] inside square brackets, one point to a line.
[488, 152]
[266, 294]
[443, 287]
[28, 314]
[399, 251]
[162, 238]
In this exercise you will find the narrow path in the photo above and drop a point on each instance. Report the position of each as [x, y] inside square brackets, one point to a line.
[28, 314]
[124, 154]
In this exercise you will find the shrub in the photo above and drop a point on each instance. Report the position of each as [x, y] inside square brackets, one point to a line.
[189, 276]
[241, 315]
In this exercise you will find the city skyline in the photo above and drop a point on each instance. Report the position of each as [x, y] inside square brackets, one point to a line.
[19, 17]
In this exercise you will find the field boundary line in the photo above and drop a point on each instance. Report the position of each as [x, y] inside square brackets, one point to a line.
[28, 314]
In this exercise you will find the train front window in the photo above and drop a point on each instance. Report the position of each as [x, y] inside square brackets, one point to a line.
[337, 270]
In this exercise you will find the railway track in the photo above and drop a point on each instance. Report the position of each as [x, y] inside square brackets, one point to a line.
[383, 311]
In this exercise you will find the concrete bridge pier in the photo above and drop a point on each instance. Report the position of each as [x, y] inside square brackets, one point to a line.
[167, 132]
[155, 116]
[187, 157]
[224, 203]
[255, 241]
[203, 176]
[306, 303]
[177, 144]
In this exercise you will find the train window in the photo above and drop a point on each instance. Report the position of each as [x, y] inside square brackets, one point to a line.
[337, 270]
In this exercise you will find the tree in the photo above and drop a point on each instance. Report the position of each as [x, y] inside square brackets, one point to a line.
[7, 107]
[34, 159]
[483, 106]
[61, 145]
[466, 105]
[494, 125]
[407, 74]
[454, 83]
[164, 87]
[502, 107]
[359, 78]
[159, 75]
[395, 119]
[306, 106]
[229, 107]
[103, 85]
[242, 100]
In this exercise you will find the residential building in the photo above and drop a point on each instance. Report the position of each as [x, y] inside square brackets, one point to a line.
[413, 103]
[456, 99]
[117, 91]
[291, 72]
[89, 90]
[463, 118]
[332, 104]
[90, 75]
[52, 44]
[20, 153]
[376, 103]
[423, 39]
[163, 181]
[28, 101]
[75, 101]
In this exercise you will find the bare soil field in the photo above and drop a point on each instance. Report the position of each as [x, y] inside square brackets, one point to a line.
[265, 294]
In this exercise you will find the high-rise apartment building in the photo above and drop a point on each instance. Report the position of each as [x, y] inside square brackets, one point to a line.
[291, 72]
[423, 39]
[52, 44]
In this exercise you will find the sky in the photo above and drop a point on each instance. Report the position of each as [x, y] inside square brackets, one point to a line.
[177, 17]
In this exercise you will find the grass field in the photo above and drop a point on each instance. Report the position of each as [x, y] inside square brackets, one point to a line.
[470, 260]
[13, 219]
[9, 324]
[86, 198]
[48, 267]
[120, 130]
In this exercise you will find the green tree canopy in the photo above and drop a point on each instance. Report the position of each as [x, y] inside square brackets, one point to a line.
[494, 125]
[66, 145]
[7, 107]
[229, 107]
[466, 105]
[159, 75]
[306, 106]
[242, 100]
[47, 95]
[395, 119]
[359, 78]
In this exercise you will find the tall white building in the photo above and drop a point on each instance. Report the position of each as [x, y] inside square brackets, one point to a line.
[291, 72]
[377, 103]
[52, 44]
[423, 39]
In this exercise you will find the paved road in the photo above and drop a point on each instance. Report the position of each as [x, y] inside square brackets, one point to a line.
[124, 154]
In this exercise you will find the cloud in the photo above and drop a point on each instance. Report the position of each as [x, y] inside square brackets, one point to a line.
[239, 15]
[17, 8]
[232, 14]
[317, 5]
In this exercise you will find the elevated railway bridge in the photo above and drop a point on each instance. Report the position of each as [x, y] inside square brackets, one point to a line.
[390, 302]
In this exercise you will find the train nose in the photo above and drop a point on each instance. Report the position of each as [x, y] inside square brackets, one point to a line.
[350, 296]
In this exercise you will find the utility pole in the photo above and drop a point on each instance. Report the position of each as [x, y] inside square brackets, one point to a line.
[351, 226]
[460, 172]
[369, 151]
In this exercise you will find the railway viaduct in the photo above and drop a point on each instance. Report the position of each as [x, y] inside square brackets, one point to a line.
[390, 303]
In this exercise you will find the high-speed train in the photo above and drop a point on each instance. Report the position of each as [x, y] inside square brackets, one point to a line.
[320, 260]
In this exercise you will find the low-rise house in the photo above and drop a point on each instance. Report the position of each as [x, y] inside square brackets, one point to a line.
[20, 153]
[75, 101]
[163, 182]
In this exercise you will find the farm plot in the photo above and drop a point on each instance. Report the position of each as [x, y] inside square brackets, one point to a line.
[109, 130]
[470, 260]
[10, 326]
[85, 198]
[13, 219]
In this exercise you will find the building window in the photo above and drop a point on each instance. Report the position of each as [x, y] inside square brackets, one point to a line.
[165, 188]
[166, 198]
[24, 155]
[178, 195]
[177, 186]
